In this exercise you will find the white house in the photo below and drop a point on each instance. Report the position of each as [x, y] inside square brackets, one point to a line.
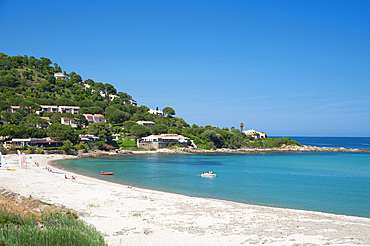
[157, 112]
[13, 109]
[161, 141]
[60, 109]
[112, 97]
[68, 122]
[88, 138]
[48, 109]
[255, 133]
[60, 76]
[69, 109]
[130, 102]
[148, 124]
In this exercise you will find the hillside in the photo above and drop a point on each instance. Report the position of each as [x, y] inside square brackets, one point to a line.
[28, 82]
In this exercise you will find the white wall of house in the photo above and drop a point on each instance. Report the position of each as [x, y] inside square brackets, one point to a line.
[157, 112]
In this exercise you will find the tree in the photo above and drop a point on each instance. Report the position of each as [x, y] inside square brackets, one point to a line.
[67, 146]
[101, 130]
[215, 137]
[140, 131]
[241, 126]
[61, 132]
[118, 116]
[81, 120]
[128, 124]
[159, 129]
[89, 82]
[124, 96]
[75, 78]
[109, 89]
[169, 111]
[4, 105]
[34, 121]
[92, 110]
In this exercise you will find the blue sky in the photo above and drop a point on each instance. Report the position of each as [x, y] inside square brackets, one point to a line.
[289, 68]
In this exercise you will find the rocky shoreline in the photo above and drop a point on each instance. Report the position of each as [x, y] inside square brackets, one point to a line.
[283, 149]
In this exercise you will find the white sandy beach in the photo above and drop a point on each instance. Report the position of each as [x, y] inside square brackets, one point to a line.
[135, 216]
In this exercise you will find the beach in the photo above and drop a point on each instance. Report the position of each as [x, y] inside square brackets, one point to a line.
[134, 216]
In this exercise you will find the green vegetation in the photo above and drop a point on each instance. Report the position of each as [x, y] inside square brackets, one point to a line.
[271, 143]
[53, 229]
[127, 144]
[28, 82]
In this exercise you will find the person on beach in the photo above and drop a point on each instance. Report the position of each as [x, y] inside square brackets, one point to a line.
[65, 176]
[73, 177]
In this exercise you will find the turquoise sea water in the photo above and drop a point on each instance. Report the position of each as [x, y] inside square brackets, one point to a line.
[327, 182]
[346, 142]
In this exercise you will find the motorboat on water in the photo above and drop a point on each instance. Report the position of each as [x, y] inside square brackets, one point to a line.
[209, 174]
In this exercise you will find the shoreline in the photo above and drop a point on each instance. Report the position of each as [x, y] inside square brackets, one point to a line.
[189, 151]
[107, 155]
[137, 216]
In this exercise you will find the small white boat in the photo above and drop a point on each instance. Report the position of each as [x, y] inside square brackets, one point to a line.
[208, 175]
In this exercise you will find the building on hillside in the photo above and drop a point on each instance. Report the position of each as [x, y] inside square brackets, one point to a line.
[161, 141]
[112, 97]
[68, 122]
[60, 76]
[61, 109]
[254, 133]
[130, 102]
[13, 109]
[157, 112]
[148, 124]
[88, 138]
[69, 109]
[48, 109]
[94, 118]
[42, 143]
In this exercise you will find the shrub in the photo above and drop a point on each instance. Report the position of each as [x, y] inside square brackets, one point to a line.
[51, 148]
[82, 146]
[31, 150]
[39, 151]
[127, 143]
[57, 229]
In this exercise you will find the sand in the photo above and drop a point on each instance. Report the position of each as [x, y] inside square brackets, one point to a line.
[134, 216]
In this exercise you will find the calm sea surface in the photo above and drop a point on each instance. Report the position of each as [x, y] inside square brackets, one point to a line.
[346, 142]
[327, 182]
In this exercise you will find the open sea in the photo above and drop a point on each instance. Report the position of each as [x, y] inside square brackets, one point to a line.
[327, 182]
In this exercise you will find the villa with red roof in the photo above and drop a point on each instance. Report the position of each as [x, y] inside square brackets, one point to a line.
[94, 118]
